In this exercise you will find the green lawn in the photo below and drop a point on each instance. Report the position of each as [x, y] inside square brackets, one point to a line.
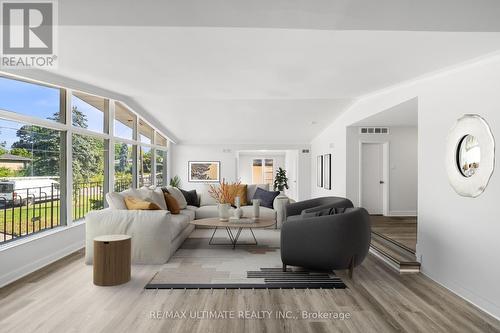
[19, 220]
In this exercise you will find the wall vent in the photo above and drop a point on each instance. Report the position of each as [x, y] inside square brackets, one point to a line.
[373, 130]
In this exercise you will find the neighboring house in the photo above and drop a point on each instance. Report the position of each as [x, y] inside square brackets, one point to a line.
[14, 162]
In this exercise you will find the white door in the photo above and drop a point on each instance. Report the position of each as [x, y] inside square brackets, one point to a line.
[372, 181]
[291, 166]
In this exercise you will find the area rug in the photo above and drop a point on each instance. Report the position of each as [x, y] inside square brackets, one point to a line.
[198, 265]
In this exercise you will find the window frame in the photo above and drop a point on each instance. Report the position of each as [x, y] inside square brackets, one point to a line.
[67, 131]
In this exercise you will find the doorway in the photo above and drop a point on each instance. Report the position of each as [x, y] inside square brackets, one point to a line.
[374, 177]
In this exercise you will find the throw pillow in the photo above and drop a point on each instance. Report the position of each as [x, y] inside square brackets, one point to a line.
[146, 194]
[177, 194]
[191, 197]
[242, 193]
[206, 199]
[172, 204]
[115, 201]
[251, 191]
[266, 197]
[138, 204]
[158, 198]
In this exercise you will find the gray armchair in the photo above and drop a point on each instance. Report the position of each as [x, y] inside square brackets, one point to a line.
[329, 242]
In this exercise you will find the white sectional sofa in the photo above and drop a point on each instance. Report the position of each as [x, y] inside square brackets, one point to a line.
[157, 234]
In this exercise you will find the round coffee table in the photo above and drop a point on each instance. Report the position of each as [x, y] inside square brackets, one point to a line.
[216, 223]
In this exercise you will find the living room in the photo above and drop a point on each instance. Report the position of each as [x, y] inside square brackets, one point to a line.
[249, 166]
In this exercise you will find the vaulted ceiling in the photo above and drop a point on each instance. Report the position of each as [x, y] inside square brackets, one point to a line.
[264, 71]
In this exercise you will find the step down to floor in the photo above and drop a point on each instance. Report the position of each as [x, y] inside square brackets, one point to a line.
[395, 255]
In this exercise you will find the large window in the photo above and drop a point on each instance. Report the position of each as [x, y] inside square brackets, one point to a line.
[30, 169]
[124, 166]
[88, 112]
[30, 99]
[160, 140]
[58, 148]
[145, 132]
[161, 167]
[124, 122]
[145, 167]
[88, 174]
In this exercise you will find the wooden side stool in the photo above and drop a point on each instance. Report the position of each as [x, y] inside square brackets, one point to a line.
[112, 255]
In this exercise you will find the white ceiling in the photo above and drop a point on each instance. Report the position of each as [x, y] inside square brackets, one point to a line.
[222, 82]
[404, 114]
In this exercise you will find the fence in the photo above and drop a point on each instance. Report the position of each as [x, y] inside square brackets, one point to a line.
[31, 210]
[27, 211]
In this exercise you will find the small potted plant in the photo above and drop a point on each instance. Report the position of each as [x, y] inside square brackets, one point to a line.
[224, 194]
[175, 181]
[280, 181]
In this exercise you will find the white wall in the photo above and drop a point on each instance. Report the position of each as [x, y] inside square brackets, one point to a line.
[458, 237]
[403, 171]
[245, 161]
[227, 155]
[34, 252]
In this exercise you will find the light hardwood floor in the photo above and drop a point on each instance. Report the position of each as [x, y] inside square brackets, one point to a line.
[400, 229]
[62, 298]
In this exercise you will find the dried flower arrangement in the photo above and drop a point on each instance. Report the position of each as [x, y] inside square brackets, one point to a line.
[225, 192]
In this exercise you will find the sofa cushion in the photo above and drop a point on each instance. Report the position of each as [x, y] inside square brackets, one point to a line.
[172, 204]
[178, 223]
[251, 191]
[206, 199]
[158, 198]
[266, 197]
[191, 197]
[116, 201]
[205, 212]
[264, 212]
[177, 194]
[193, 208]
[189, 213]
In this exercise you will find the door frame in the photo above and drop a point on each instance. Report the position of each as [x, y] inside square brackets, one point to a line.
[385, 173]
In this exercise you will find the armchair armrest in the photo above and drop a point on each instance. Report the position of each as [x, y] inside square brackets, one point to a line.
[298, 207]
[279, 205]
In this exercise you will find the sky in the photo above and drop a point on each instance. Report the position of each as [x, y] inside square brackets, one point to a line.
[43, 102]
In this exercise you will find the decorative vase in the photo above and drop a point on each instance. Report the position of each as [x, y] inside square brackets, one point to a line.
[224, 212]
[256, 209]
[238, 212]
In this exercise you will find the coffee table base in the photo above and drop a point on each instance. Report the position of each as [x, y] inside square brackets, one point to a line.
[232, 237]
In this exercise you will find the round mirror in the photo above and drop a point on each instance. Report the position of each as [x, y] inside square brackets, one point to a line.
[468, 155]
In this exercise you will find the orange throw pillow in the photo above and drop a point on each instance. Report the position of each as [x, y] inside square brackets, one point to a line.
[172, 204]
[242, 193]
[138, 204]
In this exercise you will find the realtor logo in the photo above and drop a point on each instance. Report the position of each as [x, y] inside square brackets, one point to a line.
[28, 34]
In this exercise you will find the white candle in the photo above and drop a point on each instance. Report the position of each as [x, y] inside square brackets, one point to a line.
[237, 202]
[256, 208]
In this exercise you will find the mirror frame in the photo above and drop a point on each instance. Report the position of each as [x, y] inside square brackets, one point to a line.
[475, 125]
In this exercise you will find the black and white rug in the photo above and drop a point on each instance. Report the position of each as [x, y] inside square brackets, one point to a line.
[198, 265]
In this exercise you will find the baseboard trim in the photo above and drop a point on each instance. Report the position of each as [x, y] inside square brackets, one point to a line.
[30, 257]
[40, 263]
[402, 213]
[477, 301]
